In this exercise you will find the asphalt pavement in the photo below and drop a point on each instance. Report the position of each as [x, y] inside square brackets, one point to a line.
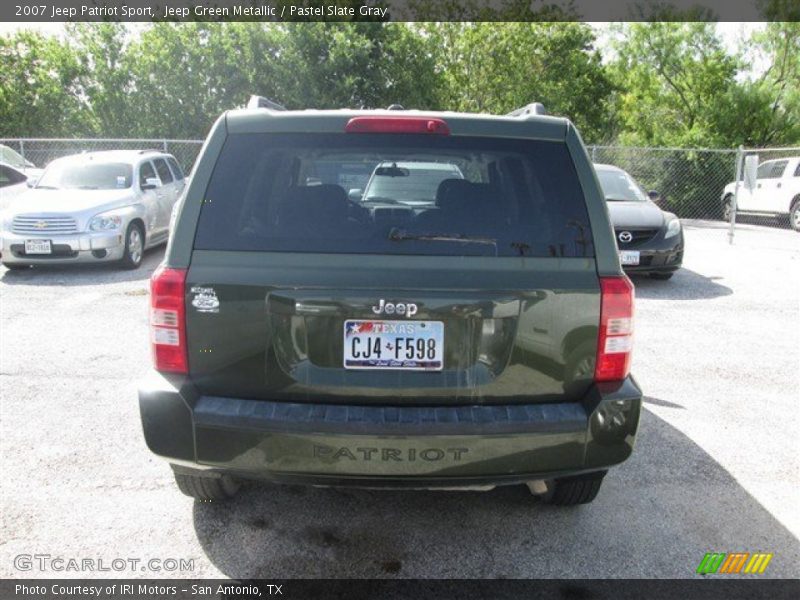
[716, 467]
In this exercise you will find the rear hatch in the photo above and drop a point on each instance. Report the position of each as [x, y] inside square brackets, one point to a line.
[478, 287]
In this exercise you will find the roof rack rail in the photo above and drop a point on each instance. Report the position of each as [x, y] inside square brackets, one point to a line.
[148, 150]
[534, 108]
[261, 102]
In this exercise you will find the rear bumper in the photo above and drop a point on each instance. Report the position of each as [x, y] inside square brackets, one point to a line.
[396, 446]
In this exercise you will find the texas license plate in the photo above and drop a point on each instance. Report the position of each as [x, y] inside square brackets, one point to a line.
[629, 257]
[398, 345]
[38, 247]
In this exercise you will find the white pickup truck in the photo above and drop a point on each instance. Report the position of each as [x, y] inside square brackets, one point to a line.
[776, 193]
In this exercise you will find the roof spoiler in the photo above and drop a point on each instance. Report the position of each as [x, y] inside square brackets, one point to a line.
[534, 108]
[261, 102]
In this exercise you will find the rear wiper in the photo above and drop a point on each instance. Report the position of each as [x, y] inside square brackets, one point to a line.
[46, 187]
[399, 235]
[87, 187]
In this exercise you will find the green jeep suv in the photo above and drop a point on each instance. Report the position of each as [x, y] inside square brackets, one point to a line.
[467, 328]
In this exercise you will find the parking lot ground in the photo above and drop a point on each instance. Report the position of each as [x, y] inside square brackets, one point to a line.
[716, 467]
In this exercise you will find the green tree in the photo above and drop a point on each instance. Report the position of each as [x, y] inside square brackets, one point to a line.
[334, 65]
[185, 75]
[101, 49]
[671, 77]
[39, 87]
[498, 67]
[764, 110]
[182, 76]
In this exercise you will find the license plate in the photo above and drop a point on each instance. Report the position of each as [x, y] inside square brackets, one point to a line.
[629, 257]
[397, 345]
[38, 247]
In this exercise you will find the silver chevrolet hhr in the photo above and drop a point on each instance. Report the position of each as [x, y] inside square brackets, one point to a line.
[93, 207]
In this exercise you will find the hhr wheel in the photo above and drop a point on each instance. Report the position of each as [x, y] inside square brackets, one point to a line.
[579, 489]
[134, 247]
[794, 215]
[206, 488]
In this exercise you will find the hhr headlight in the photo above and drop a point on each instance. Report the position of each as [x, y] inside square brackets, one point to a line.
[673, 228]
[105, 222]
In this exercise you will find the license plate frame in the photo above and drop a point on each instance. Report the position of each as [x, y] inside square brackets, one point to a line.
[38, 247]
[391, 336]
[629, 258]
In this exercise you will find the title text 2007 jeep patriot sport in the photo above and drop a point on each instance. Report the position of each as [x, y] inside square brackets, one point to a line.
[464, 329]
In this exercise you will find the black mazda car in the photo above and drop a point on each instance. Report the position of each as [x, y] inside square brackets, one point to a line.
[650, 240]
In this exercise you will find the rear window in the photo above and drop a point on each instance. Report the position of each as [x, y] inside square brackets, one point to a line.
[438, 195]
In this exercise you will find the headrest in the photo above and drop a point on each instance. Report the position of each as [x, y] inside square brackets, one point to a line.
[316, 202]
[460, 195]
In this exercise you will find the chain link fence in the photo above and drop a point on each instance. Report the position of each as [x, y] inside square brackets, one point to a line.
[697, 184]
[40, 151]
[690, 182]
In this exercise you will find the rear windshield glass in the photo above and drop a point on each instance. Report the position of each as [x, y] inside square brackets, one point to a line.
[87, 176]
[394, 194]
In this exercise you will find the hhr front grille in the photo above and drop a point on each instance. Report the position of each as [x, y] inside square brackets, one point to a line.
[44, 225]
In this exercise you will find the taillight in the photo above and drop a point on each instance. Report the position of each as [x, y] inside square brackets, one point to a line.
[168, 319]
[397, 125]
[615, 341]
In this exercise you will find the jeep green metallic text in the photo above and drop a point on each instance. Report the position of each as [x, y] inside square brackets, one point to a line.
[462, 326]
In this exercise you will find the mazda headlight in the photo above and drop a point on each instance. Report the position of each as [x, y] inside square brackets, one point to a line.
[105, 222]
[673, 228]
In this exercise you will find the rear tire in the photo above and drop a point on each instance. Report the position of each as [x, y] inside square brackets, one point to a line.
[571, 491]
[727, 208]
[794, 215]
[207, 488]
[661, 276]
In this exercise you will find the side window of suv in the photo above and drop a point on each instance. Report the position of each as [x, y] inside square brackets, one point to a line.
[778, 168]
[163, 171]
[176, 169]
[772, 170]
[764, 170]
[146, 172]
[797, 170]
